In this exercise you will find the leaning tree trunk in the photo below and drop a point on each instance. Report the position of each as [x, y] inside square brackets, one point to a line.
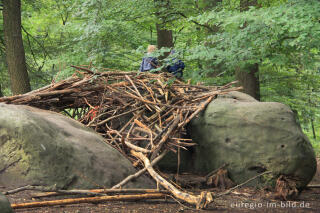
[248, 76]
[15, 55]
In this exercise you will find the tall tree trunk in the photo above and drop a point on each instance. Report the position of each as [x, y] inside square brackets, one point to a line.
[15, 55]
[245, 4]
[248, 76]
[1, 95]
[164, 36]
[313, 129]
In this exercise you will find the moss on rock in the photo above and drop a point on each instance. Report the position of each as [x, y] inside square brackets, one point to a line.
[47, 148]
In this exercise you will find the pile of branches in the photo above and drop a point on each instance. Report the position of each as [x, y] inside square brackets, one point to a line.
[142, 115]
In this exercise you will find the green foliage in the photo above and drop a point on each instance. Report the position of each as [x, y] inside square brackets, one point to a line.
[283, 36]
[4, 78]
[283, 39]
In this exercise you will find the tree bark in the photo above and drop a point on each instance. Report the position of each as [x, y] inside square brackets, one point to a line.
[1, 95]
[249, 79]
[245, 4]
[15, 55]
[164, 36]
[248, 76]
[313, 129]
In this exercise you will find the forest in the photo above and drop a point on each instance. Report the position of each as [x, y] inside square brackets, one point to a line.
[272, 47]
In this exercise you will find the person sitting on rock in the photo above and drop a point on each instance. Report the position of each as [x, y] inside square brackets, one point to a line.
[176, 66]
[149, 62]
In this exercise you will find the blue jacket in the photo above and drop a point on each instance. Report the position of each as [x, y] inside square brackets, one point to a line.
[176, 68]
[148, 63]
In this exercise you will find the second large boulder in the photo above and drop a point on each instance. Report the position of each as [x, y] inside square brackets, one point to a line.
[250, 137]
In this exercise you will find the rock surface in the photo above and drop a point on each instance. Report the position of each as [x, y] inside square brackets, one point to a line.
[251, 137]
[46, 148]
[5, 206]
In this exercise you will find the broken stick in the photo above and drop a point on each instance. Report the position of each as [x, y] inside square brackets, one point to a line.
[241, 184]
[158, 147]
[139, 173]
[97, 191]
[201, 201]
[89, 200]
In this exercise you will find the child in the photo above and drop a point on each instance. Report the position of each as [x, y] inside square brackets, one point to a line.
[149, 62]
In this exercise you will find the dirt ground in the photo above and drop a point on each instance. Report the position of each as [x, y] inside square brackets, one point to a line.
[241, 200]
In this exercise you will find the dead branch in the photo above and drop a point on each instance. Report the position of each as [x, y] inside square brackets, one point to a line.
[30, 187]
[82, 68]
[139, 173]
[313, 186]
[52, 189]
[216, 170]
[165, 137]
[97, 191]
[203, 105]
[201, 201]
[89, 200]
[244, 183]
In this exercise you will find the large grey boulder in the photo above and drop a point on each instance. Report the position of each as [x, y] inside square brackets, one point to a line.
[47, 148]
[5, 206]
[251, 137]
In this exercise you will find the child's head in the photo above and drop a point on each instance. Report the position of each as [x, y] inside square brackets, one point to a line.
[151, 48]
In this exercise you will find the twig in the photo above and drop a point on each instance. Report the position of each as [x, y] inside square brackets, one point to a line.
[52, 189]
[117, 116]
[157, 148]
[137, 148]
[313, 186]
[84, 69]
[216, 170]
[139, 173]
[203, 105]
[29, 187]
[237, 186]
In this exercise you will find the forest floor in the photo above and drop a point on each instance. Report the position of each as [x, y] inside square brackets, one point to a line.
[241, 200]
